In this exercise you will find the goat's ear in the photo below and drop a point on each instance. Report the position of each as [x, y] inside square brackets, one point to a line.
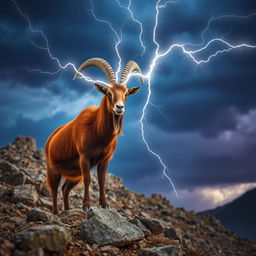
[133, 90]
[100, 88]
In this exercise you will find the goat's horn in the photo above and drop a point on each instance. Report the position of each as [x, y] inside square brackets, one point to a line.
[130, 67]
[100, 63]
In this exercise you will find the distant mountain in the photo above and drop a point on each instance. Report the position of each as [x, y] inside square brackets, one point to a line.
[239, 215]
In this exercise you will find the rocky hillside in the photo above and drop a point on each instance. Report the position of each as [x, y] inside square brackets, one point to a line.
[137, 225]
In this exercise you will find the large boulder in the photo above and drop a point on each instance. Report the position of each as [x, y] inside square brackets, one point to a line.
[26, 194]
[161, 251]
[105, 226]
[49, 237]
[10, 174]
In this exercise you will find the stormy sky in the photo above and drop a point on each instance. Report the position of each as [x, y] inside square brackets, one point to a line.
[201, 118]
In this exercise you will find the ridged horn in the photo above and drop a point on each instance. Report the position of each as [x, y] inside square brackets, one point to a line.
[130, 67]
[100, 63]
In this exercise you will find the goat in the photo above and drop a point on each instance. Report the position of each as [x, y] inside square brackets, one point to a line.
[73, 149]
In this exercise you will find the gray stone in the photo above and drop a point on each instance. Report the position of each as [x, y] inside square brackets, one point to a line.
[2, 191]
[136, 222]
[33, 252]
[74, 211]
[105, 226]
[26, 194]
[37, 214]
[36, 179]
[50, 237]
[110, 250]
[45, 201]
[161, 251]
[154, 225]
[10, 174]
[20, 206]
[173, 233]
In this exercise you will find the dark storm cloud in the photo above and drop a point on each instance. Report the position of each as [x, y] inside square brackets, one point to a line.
[194, 108]
[27, 127]
[201, 100]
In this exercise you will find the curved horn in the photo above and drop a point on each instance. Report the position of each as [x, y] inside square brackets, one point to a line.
[100, 63]
[130, 67]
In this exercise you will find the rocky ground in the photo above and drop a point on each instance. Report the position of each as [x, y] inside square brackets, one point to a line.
[137, 225]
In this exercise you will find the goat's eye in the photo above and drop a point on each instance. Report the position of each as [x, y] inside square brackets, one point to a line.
[109, 94]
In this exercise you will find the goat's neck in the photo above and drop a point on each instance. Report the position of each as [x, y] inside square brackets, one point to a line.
[109, 125]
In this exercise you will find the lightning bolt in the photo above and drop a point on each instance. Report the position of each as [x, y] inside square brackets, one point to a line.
[221, 17]
[47, 48]
[188, 53]
[117, 35]
[128, 8]
[184, 47]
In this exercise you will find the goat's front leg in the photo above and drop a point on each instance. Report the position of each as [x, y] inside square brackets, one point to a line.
[102, 168]
[85, 169]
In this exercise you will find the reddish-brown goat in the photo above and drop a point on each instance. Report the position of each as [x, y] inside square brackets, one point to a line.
[73, 149]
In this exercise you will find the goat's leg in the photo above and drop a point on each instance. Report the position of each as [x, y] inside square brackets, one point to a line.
[85, 170]
[101, 170]
[53, 180]
[66, 188]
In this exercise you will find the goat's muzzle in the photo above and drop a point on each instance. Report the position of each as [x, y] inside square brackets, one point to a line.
[119, 108]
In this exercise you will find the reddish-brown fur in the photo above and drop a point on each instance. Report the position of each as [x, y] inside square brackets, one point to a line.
[89, 140]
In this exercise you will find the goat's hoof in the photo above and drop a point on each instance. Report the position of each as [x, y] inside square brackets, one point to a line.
[86, 208]
[106, 207]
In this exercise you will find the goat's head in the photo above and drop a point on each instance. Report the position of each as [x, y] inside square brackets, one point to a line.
[116, 93]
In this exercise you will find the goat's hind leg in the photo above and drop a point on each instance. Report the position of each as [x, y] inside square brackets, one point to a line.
[53, 180]
[66, 188]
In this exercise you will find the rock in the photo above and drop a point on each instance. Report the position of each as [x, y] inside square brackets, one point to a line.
[154, 225]
[50, 237]
[46, 202]
[173, 233]
[136, 222]
[6, 247]
[109, 227]
[26, 194]
[161, 251]
[166, 213]
[34, 252]
[142, 243]
[37, 214]
[36, 179]
[17, 220]
[125, 212]
[10, 174]
[2, 191]
[20, 206]
[24, 143]
[110, 250]
[74, 211]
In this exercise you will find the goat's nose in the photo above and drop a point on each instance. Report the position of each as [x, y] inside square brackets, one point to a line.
[120, 106]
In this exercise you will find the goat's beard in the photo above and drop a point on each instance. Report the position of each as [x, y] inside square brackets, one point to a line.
[117, 124]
